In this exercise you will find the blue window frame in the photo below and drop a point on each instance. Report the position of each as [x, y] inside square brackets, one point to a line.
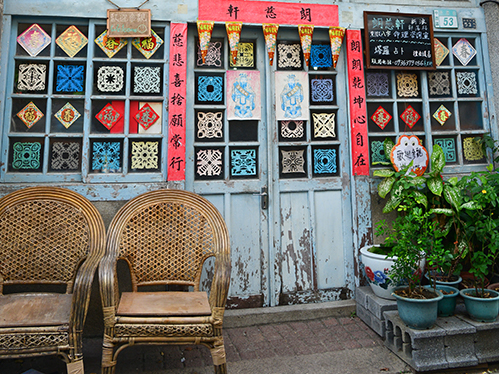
[75, 116]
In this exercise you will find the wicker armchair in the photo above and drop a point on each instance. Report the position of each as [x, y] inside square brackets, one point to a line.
[165, 236]
[49, 236]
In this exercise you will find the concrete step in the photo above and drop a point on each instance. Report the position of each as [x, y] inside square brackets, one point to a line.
[290, 313]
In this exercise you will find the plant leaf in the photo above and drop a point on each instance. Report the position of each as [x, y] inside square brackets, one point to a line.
[435, 185]
[453, 181]
[471, 205]
[437, 160]
[388, 145]
[418, 180]
[385, 186]
[452, 196]
[444, 211]
[384, 172]
[391, 204]
[420, 198]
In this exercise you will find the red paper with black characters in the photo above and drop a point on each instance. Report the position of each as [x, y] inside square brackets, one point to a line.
[357, 104]
[176, 163]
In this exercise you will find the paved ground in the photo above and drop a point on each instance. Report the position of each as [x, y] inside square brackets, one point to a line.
[329, 345]
[333, 340]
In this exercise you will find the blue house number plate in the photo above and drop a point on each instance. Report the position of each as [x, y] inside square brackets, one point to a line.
[445, 19]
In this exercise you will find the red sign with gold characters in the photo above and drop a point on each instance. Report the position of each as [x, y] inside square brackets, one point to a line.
[176, 165]
[357, 104]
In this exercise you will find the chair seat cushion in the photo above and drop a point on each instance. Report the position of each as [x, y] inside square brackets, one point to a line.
[34, 310]
[164, 304]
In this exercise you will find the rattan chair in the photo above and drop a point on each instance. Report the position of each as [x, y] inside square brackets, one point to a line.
[165, 236]
[49, 236]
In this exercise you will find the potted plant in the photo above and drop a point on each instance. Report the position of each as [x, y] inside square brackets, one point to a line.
[481, 231]
[414, 236]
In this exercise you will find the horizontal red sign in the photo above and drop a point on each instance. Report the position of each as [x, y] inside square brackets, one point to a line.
[268, 12]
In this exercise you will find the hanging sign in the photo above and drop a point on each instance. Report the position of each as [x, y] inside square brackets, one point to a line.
[336, 37]
[260, 12]
[357, 104]
[445, 19]
[270, 34]
[399, 40]
[125, 23]
[176, 168]
[233, 35]
[306, 35]
[408, 149]
[204, 34]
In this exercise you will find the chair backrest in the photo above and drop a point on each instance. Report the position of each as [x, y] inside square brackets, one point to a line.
[166, 235]
[45, 235]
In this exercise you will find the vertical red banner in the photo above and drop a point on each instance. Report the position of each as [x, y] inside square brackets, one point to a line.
[357, 104]
[176, 154]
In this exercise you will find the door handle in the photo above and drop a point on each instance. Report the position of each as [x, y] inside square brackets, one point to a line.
[263, 197]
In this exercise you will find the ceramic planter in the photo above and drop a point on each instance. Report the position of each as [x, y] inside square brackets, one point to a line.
[376, 268]
[446, 307]
[454, 284]
[418, 313]
[481, 309]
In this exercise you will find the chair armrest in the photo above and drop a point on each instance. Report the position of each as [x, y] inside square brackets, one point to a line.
[108, 284]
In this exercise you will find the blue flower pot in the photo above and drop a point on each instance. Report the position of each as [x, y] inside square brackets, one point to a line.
[481, 309]
[455, 283]
[418, 313]
[446, 307]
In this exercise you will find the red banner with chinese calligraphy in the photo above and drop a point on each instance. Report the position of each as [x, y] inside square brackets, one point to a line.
[357, 104]
[248, 11]
[176, 165]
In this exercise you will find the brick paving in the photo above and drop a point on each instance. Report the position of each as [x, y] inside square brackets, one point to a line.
[268, 341]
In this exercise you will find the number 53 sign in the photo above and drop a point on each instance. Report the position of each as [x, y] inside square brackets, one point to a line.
[445, 19]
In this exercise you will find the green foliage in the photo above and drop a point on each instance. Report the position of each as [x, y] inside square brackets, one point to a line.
[449, 223]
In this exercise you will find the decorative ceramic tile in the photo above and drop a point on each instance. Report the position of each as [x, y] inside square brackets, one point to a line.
[214, 55]
[26, 155]
[407, 84]
[472, 149]
[108, 116]
[210, 88]
[243, 163]
[65, 155]
[210, 124]
[148, 46]
[440, 51]
[410, 117]
[106, 156]
[146, 116]
[464, 51]
[34, 40]
[147, 79]
[381, 117]
[378, 153]
[72, 41]
[325, 161]
[321, 56]
[110, 46]
[448, 146]
[31, 77]
[466, 83]
[67, 115]
[293, 161]
[324, 125]
[439, 83]
[209, 162]
[289, 56]
[377, 84]
[322, 90]
[292, 129]
[110, 79]
[144, 155]
[245, 57]
[30, 114]
[70, 78]
[442, 114]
